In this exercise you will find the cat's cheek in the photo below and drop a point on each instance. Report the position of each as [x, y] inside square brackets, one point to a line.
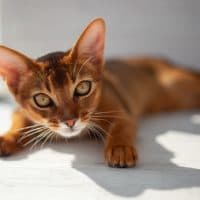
[34, 116]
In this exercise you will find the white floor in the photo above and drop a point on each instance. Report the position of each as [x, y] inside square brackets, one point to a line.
[169, 166]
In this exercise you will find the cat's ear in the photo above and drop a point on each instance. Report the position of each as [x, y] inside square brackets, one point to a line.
[13, 65]
[90, 44]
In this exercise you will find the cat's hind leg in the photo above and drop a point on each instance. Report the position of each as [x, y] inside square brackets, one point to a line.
[183, 88]
[177, 89]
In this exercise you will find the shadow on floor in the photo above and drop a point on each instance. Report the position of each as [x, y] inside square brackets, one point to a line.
[155, 169]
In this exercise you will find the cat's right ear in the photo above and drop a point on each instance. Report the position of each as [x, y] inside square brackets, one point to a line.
[90, 45]
[13, 65]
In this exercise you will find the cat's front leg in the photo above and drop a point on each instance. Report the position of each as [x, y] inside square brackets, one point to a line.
[119, 150]
[10, 142]
[8, 145]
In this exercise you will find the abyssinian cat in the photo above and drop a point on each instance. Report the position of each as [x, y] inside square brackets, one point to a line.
[72, 93]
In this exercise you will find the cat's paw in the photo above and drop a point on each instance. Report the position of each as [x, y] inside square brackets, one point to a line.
[121, 156]
[8, 146]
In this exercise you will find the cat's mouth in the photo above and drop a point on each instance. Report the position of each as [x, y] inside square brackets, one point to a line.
[69, 132]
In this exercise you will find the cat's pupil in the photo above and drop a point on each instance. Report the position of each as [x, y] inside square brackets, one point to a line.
[44, 100]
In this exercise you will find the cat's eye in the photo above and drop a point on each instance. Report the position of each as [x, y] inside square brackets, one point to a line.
[42, 100]
[83, 88]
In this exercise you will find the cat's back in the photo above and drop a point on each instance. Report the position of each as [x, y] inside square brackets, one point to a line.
[137, 71]
[131, 68]
[135, 79]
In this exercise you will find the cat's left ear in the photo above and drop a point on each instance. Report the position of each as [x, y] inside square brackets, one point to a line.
[91, 43]
[13, 66]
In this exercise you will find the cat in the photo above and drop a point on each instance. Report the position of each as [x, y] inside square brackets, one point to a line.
[73, 93]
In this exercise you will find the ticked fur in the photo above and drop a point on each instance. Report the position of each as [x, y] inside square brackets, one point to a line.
[121, 92]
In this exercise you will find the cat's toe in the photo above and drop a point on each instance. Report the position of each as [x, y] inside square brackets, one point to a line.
[121, 156]
[8, 146]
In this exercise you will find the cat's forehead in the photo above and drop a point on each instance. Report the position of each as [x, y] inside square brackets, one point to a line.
[58, 69]
[53, 62]
[52, 57]
[53, 69]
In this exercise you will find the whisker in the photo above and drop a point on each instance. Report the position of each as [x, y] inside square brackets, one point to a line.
[84, 63]
[99, 129]
[52, 137]
[109, 111]
[47, 138]
[32, 130]
[28, 127]
[58, 138]
[88, 132]
[110, 116]
[42, 136]
[101, 119]
[94, 133]
[97, 126]
[74, 70]
[30, 133]
[97, 132]
[102, 129]
[33, 139]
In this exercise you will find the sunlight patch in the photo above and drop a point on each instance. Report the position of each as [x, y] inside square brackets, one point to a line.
[182, 145]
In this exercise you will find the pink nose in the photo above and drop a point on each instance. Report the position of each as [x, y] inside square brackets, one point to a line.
[71, 122]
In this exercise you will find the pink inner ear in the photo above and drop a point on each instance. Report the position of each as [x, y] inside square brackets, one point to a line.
[96, 46]
[9, 74]
[92, 41]
[11, 65]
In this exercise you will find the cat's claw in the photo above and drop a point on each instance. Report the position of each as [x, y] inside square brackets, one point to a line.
[121, 156]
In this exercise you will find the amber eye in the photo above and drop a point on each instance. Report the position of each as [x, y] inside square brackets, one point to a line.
[83, 88]
[42, 100]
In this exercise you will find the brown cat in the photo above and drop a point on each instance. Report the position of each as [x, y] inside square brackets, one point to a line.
[70, 93]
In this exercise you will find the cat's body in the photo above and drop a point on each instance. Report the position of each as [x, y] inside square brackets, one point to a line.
[151, 85]
[71, 90]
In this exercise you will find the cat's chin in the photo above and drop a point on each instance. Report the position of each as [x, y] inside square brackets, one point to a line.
[67, 132]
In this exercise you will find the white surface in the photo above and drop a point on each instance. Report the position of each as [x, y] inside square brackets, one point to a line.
[169, 166]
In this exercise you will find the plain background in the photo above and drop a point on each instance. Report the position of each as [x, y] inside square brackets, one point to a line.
[134, 27]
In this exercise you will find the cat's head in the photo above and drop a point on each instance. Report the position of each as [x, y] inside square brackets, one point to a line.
[59, 90]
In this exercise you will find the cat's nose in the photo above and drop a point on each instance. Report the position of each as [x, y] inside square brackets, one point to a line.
[71, 122]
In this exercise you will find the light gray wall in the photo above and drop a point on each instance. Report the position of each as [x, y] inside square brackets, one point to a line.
[161, 27]
[1, 21]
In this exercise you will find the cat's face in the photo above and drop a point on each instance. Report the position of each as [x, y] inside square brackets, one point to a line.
[61, 94]
[60, 90]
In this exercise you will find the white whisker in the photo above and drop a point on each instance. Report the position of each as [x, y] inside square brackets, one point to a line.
[74, 70]
[47, 138]
[109, 112]
[85, 62]
[31, 133]
[28, 127]
[101, 119]
[42, 136]
[95, 131]
[34, 139]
